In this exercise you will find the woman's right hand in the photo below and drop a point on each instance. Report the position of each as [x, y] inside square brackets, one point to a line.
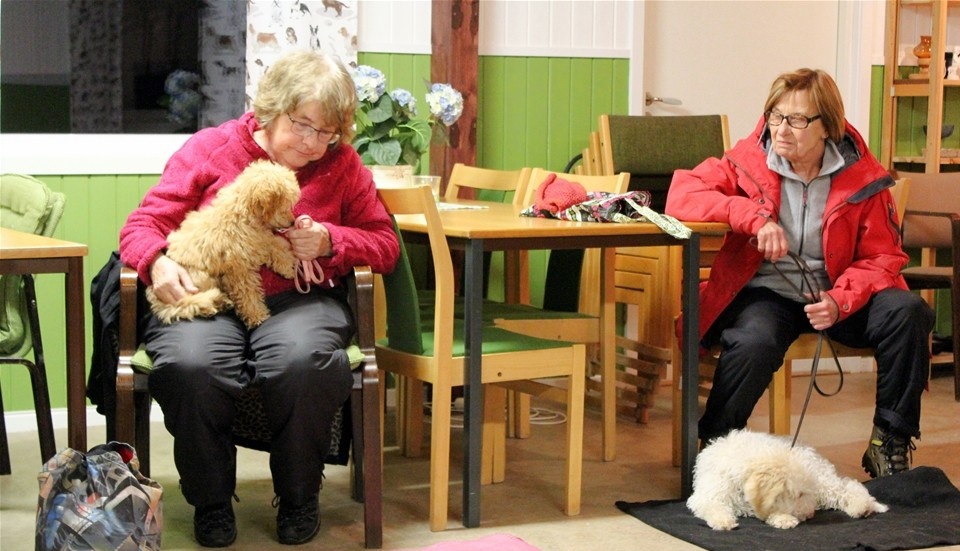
[772, 241]
[171, 281]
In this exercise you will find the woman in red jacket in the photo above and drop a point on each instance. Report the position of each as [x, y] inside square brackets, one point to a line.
[814, 246]
[303, 119]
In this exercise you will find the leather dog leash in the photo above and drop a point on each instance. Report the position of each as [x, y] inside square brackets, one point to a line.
[308, 271]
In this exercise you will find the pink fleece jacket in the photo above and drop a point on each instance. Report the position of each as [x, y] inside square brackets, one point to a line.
[337, 191]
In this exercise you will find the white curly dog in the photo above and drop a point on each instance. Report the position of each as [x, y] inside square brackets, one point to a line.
[751, 474]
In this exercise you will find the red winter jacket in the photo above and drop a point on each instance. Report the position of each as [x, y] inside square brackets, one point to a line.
[337, 191]
[861, 231]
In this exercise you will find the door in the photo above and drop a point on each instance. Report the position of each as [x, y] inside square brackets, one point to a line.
[721, 56]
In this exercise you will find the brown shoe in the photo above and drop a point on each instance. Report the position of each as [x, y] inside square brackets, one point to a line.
[887, 453]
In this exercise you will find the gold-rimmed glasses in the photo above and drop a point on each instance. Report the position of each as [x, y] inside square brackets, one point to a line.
[304, 130]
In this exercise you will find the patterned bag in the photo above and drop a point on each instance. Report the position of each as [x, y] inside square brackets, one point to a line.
[602, 206]
[98, 501]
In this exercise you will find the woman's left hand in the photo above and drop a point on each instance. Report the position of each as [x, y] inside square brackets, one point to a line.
[823, 314]
[309, 239]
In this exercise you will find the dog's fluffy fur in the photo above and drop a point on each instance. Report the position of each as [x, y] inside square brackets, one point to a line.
[760, 475]
[224, 245]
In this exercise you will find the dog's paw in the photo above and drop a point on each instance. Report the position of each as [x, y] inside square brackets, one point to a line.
[253, 317]
[864, 508]
[782, 521]
[722, 522]
[287, 271]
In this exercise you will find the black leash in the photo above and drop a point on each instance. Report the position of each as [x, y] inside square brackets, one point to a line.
[810, 281]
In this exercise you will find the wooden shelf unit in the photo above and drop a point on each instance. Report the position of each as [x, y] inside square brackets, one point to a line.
[932, 88]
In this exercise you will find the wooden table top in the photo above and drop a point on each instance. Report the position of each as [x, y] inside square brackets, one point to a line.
[501, 220]
[17, 245]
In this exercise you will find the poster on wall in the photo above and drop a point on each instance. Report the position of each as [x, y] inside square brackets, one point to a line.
[278, 26]
[222, 45]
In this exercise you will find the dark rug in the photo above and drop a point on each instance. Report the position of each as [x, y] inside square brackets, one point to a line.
[924, 512]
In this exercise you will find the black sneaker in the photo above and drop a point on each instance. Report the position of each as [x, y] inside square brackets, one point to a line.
[297, 524]
[887, 453]
[215, 525]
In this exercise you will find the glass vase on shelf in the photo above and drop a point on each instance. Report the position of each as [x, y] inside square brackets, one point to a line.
[922, 51]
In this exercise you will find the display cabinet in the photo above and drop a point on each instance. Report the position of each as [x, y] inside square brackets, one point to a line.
[915, 95]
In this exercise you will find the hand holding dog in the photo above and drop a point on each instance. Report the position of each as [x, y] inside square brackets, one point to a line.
[171, 281]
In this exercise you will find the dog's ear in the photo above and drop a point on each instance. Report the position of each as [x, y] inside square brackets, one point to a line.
[768, 484]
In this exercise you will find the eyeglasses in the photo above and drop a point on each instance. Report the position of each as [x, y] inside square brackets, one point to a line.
[304, 130]
[795, 120]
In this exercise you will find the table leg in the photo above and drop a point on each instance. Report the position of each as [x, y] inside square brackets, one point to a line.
[691, 330]
[608, 367]
[473, 387]
[76, 386]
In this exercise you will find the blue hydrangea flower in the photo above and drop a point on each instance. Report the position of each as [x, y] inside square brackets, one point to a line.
[446, 103]
[405, 100]
[369, 82]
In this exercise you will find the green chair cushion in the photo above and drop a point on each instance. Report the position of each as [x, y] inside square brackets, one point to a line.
[493, 310]
[495, 340]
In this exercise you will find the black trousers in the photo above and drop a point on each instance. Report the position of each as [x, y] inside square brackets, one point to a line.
[298, 360]
[757, 328]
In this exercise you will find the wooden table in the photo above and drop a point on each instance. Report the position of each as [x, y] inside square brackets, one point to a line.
[499, 227]
[25, 253]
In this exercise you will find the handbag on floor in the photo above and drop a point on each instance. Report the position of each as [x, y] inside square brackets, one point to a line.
[98, 501]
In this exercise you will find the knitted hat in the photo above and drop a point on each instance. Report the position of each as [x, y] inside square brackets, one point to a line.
[556, 194]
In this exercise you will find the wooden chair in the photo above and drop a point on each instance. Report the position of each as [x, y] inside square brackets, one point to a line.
[931, 222]
[132, 418]
[558, 319]
[571, 305]
[648, 278]
[27, 205]
[587, 161]
[467, 182]
[803, 348]
[432, 351]
[506, 182]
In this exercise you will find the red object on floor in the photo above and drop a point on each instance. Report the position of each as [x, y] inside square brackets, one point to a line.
[496, 542]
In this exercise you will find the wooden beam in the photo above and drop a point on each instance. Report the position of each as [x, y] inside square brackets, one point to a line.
[454, 60]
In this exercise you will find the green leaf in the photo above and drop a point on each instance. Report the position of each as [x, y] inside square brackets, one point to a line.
[419, 134]
[385, 152]
[382, 110]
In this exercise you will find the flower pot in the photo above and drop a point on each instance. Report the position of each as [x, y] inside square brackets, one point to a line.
[392, 176]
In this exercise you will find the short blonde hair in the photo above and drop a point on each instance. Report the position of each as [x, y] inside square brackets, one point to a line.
[304, 76]
[823, 93]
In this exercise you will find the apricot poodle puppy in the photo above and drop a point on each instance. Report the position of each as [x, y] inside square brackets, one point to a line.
[224, 245]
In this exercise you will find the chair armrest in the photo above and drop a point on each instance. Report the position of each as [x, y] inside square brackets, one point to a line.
[125, 415]
[360, 292]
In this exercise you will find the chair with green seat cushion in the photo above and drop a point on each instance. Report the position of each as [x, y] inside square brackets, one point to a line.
[651, 149]
[433, 353]
[358, 422]
[29, 206]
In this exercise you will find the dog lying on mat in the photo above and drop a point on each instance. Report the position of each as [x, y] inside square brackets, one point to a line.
[751, 474]
[224, 245]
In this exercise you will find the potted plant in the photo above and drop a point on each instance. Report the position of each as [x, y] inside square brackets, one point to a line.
[388, 131]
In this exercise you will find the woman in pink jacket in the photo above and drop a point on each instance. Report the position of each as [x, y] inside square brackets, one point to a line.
[814, 246]
[303, 119]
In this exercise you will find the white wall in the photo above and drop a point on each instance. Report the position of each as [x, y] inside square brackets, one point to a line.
[721, 56]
